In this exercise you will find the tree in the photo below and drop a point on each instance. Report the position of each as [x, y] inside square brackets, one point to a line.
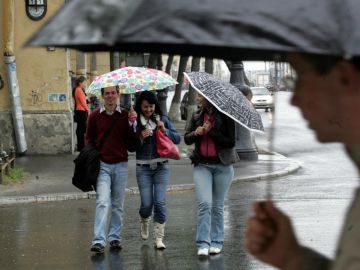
[192, 106]
[169, 64]
[153, 60]
[209, 65]
[163, 95]
[174, 112]
[159, 63]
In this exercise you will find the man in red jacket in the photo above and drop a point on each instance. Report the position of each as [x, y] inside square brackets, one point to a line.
[112, 179]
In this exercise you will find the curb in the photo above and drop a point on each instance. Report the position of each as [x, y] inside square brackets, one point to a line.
[10, 200]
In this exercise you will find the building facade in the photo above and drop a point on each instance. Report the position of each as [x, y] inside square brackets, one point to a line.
[44, 78]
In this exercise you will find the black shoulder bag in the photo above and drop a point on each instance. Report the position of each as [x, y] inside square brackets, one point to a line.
[87, 164]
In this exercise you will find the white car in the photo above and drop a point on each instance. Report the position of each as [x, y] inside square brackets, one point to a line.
[262, 98]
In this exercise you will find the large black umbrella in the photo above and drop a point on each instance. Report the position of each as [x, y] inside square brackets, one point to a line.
[86, 23]
[248, 30]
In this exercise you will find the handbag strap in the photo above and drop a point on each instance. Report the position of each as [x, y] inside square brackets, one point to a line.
[107, 133]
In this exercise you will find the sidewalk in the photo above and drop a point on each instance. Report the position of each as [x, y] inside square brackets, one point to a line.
[48, 177]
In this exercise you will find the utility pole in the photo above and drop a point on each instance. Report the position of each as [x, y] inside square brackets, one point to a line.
[245, 145]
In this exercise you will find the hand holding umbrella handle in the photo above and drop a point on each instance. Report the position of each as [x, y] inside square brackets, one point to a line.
[132, 115]
[199, 131]
[207, 126]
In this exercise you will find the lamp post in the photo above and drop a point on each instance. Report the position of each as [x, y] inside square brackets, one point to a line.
[245, 145]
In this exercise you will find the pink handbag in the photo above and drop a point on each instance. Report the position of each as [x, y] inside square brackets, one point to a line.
[165, 147]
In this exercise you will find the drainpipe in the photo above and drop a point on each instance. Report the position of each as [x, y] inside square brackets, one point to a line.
[13, 84]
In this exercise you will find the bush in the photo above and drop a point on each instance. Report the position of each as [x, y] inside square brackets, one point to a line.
[16, 175]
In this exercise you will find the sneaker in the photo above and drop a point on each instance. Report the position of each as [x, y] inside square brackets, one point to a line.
[115, 245]
[203, 252]
[97, 248]
[214, 250]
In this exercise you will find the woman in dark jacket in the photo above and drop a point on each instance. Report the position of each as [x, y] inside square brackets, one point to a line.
[214, 136]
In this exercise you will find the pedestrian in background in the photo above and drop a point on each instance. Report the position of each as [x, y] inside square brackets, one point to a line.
[152, 172]
[214, 136]
[81, 111]
[327, 92]
[94, 102]
[113, 175]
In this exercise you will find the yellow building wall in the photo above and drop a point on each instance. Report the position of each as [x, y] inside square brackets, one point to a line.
[4, 98]
[103, 62]
[102, 59]
[41, 72]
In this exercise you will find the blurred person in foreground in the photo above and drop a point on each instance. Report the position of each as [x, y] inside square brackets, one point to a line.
[113, 175]
[327, 92]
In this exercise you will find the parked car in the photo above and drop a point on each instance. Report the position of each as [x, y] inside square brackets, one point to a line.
[262, 98]
[184, 106]
[270, 87]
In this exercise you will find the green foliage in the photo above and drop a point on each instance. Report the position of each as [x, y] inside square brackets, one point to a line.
[16, 175]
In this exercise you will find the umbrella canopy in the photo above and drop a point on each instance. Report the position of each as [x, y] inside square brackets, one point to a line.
[132, 80]
[97, 22]
[233, 29]
[226, 98]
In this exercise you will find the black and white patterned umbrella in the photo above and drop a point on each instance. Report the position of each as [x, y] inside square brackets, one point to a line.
[226, 98]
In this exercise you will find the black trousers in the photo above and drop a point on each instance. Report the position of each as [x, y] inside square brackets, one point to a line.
[80, 118]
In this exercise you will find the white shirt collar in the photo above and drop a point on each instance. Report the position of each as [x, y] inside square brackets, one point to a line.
[148, 123]
[102, 108]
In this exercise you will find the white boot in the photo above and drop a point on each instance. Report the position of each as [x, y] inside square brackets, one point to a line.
[159, 230]
[144, 228]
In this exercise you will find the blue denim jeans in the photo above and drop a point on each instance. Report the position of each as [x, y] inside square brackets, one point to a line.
[110, 197]
[152, 184]
[212, 183]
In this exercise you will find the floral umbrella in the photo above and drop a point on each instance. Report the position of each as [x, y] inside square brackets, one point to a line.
[132, 80]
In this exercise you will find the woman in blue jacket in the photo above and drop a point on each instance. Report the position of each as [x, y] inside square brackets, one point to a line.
[152, 172]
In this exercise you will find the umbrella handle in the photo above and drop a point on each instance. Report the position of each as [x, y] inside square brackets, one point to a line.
[132, 119]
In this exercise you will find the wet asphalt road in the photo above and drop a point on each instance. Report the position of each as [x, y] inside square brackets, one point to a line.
[56, 235]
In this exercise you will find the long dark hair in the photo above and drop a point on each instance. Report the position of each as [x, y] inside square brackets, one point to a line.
[152, 99]
[78, 81]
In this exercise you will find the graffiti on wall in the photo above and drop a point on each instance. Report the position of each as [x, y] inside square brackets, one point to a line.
[36, 95]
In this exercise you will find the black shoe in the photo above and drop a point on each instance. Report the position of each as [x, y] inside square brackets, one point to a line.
[97, 248]
[115, 245]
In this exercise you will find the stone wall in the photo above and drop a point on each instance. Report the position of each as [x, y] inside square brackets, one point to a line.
[46, 133]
